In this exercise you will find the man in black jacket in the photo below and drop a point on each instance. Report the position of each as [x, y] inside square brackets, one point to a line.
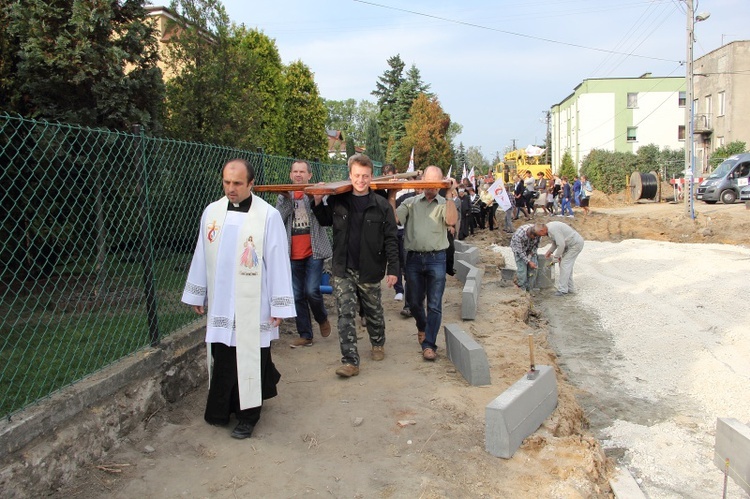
[364, 244]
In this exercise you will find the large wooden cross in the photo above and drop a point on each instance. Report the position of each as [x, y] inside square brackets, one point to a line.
[397, 182]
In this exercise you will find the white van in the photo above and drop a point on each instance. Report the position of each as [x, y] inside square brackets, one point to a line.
[726, 181]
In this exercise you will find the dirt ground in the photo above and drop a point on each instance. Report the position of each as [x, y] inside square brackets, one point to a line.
[404, 427]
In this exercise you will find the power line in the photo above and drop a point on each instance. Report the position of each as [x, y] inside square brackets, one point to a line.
[513, 33]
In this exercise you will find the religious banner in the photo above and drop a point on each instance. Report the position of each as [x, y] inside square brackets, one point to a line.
[411, 161]
[500, 194]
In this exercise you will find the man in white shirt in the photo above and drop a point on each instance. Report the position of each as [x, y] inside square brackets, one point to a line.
[566, 246]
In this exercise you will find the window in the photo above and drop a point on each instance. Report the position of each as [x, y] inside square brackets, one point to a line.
[632, 133]
[681, 132]
[720, 142]
[681, 99]
[632, 100]
[722, 103]
[708, 105]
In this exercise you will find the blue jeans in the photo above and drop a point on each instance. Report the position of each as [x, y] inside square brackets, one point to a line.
[526, 275]
[425, 273]
[566, 206]
[306, 276]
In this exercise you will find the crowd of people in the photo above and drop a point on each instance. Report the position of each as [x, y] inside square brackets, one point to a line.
[255, 265]
[554, 197]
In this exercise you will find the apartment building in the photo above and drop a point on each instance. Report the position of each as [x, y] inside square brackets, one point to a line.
[721, 106]
[618, 114]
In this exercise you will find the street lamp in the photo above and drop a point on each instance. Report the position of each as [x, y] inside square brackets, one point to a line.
[689, 108]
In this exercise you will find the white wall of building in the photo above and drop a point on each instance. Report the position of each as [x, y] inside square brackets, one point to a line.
[657, 118]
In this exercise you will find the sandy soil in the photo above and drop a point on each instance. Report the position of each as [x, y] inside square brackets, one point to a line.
[325, 436]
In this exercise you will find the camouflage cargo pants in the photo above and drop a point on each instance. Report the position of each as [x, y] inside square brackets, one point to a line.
[347, 290]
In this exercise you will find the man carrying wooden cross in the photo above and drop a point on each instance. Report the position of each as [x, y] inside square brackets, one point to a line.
[365, 249]
[426, 218]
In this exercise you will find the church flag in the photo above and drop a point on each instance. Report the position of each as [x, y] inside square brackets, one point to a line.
[411, 161]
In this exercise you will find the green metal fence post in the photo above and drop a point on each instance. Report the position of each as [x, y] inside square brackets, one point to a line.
[147, 247]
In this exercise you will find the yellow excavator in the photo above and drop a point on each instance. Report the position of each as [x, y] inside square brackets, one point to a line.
[520, 161]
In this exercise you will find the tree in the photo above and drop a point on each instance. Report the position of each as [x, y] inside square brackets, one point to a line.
[568, 168]
[198, 57]
[372, 141]
[305, 113]
[459, 157]
[228, 86]
[388, 82]
[385, 91]
[475, 159]
[426, 132]
[723, 152]
[341, 115]
[89, 63]
[497, 158]
[405, 95]
[350, 117]
[666, 162]
[263, 89]
[608, 170]
[350, 150]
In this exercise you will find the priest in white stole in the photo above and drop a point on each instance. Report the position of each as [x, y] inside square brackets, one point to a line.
[241, 275]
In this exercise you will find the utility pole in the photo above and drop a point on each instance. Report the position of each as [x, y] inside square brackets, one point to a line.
[514, 144]
[692, 18]
[689, 160]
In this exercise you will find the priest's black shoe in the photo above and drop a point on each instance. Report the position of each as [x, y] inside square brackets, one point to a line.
[243, 430]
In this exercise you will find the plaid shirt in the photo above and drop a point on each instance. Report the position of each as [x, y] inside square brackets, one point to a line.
[321, 244]
[523, 245]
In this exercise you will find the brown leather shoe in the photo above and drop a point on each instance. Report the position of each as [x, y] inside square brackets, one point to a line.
[301, 342]
[325, 329]
[429, 354]
[420, 337]
[347, 370]
[378, 353]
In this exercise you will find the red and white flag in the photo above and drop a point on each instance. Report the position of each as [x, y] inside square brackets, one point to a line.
[463, 175]
[411, 161]
[472, 178]
[449, 171]
[500, 194]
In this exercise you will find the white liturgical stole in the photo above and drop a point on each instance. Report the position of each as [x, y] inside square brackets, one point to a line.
[237, 247]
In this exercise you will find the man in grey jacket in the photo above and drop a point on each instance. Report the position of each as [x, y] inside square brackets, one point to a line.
[566, 246]
[308, 248]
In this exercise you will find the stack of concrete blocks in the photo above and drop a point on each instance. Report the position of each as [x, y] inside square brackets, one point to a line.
[519, 411]
[466, 258]
[733, 444]
[467, 355]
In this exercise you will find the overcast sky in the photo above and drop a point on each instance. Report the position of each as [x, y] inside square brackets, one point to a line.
[496, 65]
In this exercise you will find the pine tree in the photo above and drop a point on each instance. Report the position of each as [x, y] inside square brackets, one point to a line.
[568, 168]
[372, 140]
[385, 90]
[91, 63]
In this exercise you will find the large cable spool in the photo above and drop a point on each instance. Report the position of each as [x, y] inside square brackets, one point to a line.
[644, 186]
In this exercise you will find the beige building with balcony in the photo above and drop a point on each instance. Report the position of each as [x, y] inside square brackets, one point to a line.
[721, 101]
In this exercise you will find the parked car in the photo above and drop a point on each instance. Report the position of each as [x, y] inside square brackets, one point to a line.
[745, 193]
[726, 181]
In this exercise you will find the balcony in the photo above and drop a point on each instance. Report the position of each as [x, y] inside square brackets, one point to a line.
[702, 124]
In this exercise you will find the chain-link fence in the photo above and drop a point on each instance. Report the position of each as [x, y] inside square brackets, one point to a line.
[98, 229]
